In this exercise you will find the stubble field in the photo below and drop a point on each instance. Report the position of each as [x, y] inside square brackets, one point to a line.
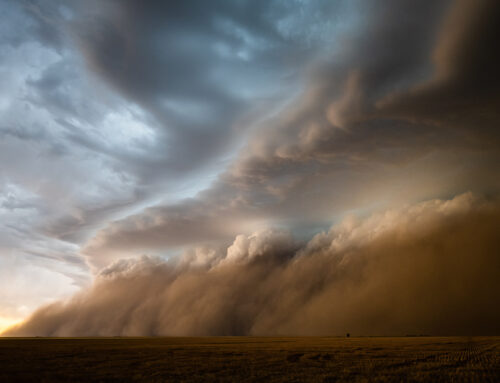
[248, 359]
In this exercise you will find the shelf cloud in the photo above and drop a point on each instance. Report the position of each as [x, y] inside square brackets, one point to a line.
[429, 268]
[144, 143]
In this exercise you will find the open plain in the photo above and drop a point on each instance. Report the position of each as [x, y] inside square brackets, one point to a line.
[248, 359]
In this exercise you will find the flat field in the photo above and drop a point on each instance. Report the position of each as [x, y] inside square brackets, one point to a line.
[248, 359]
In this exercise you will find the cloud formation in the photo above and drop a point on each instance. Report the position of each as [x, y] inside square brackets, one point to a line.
[109, 107]
[160, 128]
[430, 268]
[394, 101]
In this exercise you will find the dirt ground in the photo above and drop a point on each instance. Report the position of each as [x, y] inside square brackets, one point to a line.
[249, 359]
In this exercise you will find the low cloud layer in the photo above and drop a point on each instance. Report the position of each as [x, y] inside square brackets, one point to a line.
[429, 268]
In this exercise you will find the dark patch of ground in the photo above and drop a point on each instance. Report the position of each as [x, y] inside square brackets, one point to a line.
[249, 359]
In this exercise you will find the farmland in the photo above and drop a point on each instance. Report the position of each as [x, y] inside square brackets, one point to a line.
[246, 359]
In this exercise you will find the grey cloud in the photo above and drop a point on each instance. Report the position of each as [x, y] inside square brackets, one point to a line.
[44, 22]
[428, 268]
[185, 73]
[158, 53]
[114, 106]
[42, 87]
[47, 22]
[338, 148]
[462, 90]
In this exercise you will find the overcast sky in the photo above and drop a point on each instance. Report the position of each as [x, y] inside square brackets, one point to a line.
[169, 129]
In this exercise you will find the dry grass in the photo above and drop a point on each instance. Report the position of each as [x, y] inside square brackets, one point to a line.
[246, 359]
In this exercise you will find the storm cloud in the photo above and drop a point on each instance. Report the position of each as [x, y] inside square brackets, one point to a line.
[430, 268]
[352, 138]
[173, 131]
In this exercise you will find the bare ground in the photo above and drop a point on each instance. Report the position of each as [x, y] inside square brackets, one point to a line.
[249, 359]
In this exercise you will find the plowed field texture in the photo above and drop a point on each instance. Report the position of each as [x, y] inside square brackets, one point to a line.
[251, 359]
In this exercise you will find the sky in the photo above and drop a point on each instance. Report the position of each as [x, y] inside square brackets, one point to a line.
[248, 167]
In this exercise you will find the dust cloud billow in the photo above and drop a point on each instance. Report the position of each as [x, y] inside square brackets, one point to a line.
[427, 268]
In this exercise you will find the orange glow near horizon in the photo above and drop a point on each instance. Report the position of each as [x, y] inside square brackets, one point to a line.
[6, 323]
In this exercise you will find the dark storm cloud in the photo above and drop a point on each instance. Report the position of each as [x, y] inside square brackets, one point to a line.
[192, 65]
[428, 268]
[342, 145]
[299, 113]
[183, 85]
[464, 88]
[185, 75]
[43, 23]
